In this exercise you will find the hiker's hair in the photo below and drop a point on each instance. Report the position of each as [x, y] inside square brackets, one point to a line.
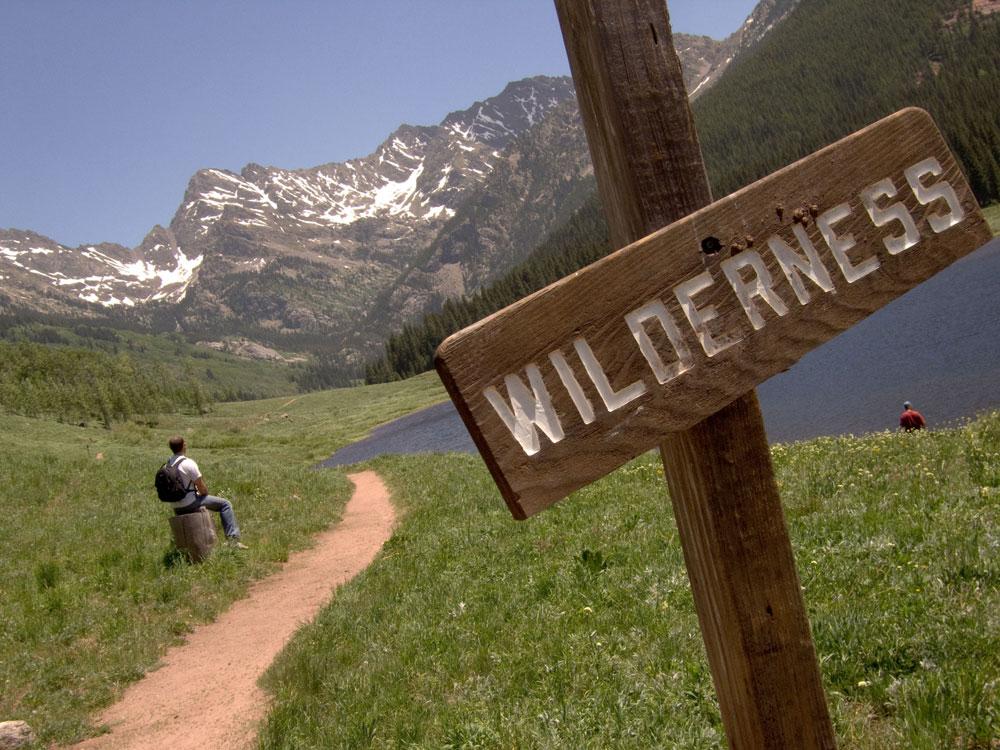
[176, 443]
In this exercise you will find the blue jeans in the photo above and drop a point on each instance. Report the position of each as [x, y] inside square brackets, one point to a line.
[221, 506]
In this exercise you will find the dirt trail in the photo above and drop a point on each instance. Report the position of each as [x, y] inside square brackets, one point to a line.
[206, 695]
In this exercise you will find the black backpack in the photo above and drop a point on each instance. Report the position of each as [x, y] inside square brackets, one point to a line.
[169, 483]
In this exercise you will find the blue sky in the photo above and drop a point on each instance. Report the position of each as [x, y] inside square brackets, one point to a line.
[109, 106]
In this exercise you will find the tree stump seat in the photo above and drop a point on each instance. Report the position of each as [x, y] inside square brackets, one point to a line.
[194, 534]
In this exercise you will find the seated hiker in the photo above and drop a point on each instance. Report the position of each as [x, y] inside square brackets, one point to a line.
[911, 419]
[197, 493]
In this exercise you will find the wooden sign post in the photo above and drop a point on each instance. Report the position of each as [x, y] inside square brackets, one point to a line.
[662, 342]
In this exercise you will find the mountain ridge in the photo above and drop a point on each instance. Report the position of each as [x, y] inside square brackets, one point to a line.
[836, 58]
[348, 251]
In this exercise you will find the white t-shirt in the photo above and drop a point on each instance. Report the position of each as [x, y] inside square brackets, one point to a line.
[189, 470]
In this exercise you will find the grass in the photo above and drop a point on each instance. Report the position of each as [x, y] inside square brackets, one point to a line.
[993, 217]
[220, 373]
[92, 593]
[223, 376]
[573, 629]
[576, 629]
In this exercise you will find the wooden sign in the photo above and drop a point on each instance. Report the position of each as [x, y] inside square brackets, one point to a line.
[573, 381]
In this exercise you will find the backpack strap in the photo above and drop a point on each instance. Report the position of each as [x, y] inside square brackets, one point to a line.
[190, 486]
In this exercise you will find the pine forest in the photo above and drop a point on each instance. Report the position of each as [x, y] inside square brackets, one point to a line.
[832, 67]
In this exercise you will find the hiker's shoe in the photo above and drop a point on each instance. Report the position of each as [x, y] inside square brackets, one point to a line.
[235, 543]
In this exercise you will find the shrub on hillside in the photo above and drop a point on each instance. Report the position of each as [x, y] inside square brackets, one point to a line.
[78, 385]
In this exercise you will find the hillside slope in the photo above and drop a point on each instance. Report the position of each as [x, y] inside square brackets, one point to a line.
[577, 629]
[830, 68]
[837, 65]
[329, 259]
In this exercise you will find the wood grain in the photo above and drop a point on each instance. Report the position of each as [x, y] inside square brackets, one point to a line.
[722, 487]
[649, 172]
[194, 534]
[592, 304]
[746, 588]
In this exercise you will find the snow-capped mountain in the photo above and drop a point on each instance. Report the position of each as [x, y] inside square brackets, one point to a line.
[105, 274]
[311, 251]
[401, 193]
[417, 174]
[340, 254]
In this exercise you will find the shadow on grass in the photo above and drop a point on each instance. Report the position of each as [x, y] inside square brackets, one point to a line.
[174, 557]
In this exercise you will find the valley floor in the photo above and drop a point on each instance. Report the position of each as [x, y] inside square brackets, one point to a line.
[206, 694]
[575, 629]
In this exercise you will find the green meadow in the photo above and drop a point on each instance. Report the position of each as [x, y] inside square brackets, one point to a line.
[574, 629]
[91, 593]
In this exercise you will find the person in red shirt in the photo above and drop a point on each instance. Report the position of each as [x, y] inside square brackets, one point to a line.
[911, 419]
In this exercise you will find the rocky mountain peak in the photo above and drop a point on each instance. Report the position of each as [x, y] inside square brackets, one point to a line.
[521, 105]
[704, 59]
[42, 273]
[325, 249]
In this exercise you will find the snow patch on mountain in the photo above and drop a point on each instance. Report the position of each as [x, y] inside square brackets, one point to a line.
[416, 175]
[762, 19]
[356, 224]
[404, 192]
[111, 277]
